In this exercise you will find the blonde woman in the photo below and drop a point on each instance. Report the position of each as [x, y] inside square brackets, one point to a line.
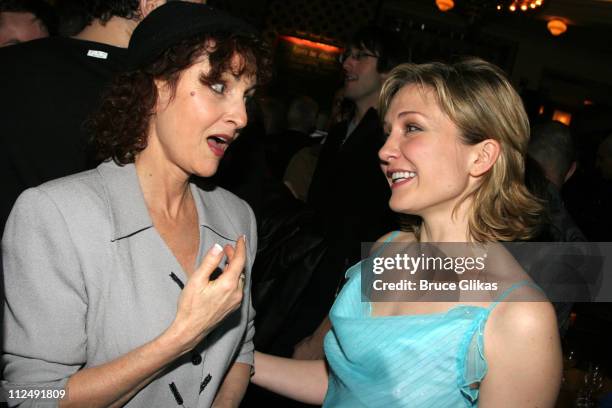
[454, 158]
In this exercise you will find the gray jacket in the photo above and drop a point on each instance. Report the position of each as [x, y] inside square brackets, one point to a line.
[87, 279]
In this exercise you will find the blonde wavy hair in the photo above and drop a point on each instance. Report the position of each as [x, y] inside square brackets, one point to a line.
[478, 98]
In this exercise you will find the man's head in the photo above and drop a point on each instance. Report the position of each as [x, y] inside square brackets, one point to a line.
[25, 20]
[113, 21]
[104, 10]
[371, 53]
[604, 158]
[552, 147]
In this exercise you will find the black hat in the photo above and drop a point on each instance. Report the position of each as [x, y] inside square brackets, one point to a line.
[174, 21]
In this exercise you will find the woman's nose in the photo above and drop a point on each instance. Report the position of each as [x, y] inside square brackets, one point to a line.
[238, 115]
[389, 150]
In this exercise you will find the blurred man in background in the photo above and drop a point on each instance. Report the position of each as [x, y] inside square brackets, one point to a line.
[25, 20]
[50, 86]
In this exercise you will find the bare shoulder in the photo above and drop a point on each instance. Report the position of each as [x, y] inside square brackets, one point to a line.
[521, 337]
[518, 331]
[515, 319]
[401, 236]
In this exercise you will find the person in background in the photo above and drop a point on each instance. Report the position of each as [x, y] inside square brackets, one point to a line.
[456, 138]
[589, 196]
[301, 166]
[25, 20]
[116, 293]
[603, 161]
[552, 150]
[348, 193]
[551, 145]
[274, 114]
[301, 121]
[348, 158]
[50, 86]
[549, 164]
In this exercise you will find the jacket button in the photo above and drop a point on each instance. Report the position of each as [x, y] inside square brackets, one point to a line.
[196, 358]
[205, 382]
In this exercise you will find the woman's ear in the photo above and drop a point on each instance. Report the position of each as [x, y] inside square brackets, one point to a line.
[485, 155]
[147, 6]
[164, 94]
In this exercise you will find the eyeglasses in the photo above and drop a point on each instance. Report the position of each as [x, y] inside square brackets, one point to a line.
[356, 55]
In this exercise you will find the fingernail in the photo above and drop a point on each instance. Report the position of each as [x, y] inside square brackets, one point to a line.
[216, 249]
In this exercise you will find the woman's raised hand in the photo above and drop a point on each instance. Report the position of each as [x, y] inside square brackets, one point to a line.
[204, 302]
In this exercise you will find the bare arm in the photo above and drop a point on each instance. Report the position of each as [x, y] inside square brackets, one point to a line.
[301, 380]
[234, 386]
[523, 353]
[202, 305]
[115, 382]
[311, 347]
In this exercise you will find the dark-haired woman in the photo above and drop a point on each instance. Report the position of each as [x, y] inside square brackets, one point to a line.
[111, 296]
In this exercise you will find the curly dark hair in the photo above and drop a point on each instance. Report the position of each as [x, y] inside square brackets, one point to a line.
[119, 126]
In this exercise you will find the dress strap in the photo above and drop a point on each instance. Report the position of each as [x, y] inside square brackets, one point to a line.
[353, 269]
[391, 237]
[383, 245]
[510, 290]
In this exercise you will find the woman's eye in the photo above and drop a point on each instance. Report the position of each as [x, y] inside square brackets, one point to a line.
[412, 128]
[218, 88]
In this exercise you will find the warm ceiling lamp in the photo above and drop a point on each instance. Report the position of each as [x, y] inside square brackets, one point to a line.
[563, 117]
[556, 26]
[524, 5]
[445, 5]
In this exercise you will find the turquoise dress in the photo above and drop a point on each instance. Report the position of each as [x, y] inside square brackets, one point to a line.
[403, 361]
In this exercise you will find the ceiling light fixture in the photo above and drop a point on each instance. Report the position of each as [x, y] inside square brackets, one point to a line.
[445, 5]
[557, 26]
[523, 5]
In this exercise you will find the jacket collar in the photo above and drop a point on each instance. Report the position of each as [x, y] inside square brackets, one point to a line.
[212, 212]
[128, 210]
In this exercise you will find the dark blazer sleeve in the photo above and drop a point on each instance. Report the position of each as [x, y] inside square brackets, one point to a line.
[46, 301]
